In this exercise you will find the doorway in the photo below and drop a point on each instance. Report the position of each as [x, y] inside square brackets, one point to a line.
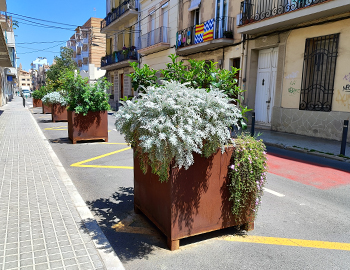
[265, 85]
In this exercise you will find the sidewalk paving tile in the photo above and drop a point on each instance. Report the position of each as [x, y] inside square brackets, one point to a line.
[40, 228]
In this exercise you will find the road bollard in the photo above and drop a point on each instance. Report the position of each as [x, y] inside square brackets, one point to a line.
[345, 134]
[253, 125]
[24, 102]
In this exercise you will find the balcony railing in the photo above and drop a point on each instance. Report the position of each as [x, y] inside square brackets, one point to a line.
[221, 27]
[118, 12]
[119, 56]
[256, 10]
[155, 36]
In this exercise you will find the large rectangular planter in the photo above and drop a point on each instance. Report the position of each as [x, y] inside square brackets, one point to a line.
[37, 103]
[46, 109]
[59, 113]
[93, 126]
[192, 201]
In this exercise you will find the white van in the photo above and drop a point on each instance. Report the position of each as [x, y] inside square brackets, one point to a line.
[25, 91]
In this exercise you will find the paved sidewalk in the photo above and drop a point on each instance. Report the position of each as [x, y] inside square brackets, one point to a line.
[307, 144]
[40, 227]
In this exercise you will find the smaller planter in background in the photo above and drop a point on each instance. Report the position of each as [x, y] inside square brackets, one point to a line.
[46, 108]
[59, 113]
[92, 126]
[53, 98]
[37, 103]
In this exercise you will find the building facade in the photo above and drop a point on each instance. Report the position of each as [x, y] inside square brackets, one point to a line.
[8, 70]
[297, 76]
[24, 78]
[121, 26]
[89, 45]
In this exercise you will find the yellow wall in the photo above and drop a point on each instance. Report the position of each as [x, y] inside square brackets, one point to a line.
[294, 64]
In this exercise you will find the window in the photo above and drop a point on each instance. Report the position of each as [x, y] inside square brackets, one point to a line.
[85, 60]
[85, 47]
[317, 83]
[195, 15]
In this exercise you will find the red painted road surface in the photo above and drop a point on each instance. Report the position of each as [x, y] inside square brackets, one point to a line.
[307, 173]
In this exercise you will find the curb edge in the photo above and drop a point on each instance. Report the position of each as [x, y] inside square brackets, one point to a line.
[109, 257]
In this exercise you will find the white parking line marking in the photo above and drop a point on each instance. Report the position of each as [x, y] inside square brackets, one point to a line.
[274, 192]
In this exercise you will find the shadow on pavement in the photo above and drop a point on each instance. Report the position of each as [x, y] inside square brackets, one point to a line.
[134, 240]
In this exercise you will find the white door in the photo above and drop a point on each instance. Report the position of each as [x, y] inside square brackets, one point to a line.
[265, 84]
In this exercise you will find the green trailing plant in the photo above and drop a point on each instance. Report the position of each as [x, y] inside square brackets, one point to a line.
[82, 97]
[169, 123]
[247, 174]
[54, 98]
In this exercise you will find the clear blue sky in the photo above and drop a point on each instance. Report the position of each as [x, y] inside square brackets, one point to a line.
[74, 12]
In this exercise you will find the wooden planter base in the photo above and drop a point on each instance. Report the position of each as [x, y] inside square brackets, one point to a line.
[37, 103]
[192, 201]
[46, 109]
[93, 126]
[59, 113]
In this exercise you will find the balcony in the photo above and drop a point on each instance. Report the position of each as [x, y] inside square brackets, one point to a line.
[258, 16]
[119, 59]
[211, 34]
[123, 13]
[155, 41]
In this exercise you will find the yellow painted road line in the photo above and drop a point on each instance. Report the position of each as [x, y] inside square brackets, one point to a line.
[80, 164]
[57, 128]
[289, 242]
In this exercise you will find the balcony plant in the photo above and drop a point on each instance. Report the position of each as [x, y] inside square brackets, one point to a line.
[182, 156]
[87, 108]
[228, 34]
[125, 50]
[58, 103]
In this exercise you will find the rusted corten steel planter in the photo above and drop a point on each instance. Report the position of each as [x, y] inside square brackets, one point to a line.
[46, 109]
[37, 103]
[59, 113]
[192, 201]
[93, 126]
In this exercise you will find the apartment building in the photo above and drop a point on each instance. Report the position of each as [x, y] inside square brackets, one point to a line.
[157, 38]
[24, 78]
[297, 77]
[89, 45]
[121, 26]
[207, 30]
[8, 71]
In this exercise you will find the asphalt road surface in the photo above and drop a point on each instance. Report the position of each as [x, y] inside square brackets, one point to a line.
[303, 222]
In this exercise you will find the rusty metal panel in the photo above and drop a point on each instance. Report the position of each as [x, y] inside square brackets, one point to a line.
[59, 113]
[93, 126]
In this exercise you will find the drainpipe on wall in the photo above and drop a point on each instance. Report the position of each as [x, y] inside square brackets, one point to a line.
[244, 79]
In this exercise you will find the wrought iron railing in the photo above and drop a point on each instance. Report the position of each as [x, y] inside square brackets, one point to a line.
[155, 36]
[119, 56]
[222, 28]
[256, 10]
[119, 11]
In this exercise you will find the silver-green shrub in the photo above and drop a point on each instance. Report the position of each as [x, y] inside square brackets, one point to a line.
[171, 122]
[54, 98]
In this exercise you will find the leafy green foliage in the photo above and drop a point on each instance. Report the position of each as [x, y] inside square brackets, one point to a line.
[170, 122]
[142, 77]
[199, 74]
[248, 175]
[82, 97]
[63, 63]
[40, 93]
